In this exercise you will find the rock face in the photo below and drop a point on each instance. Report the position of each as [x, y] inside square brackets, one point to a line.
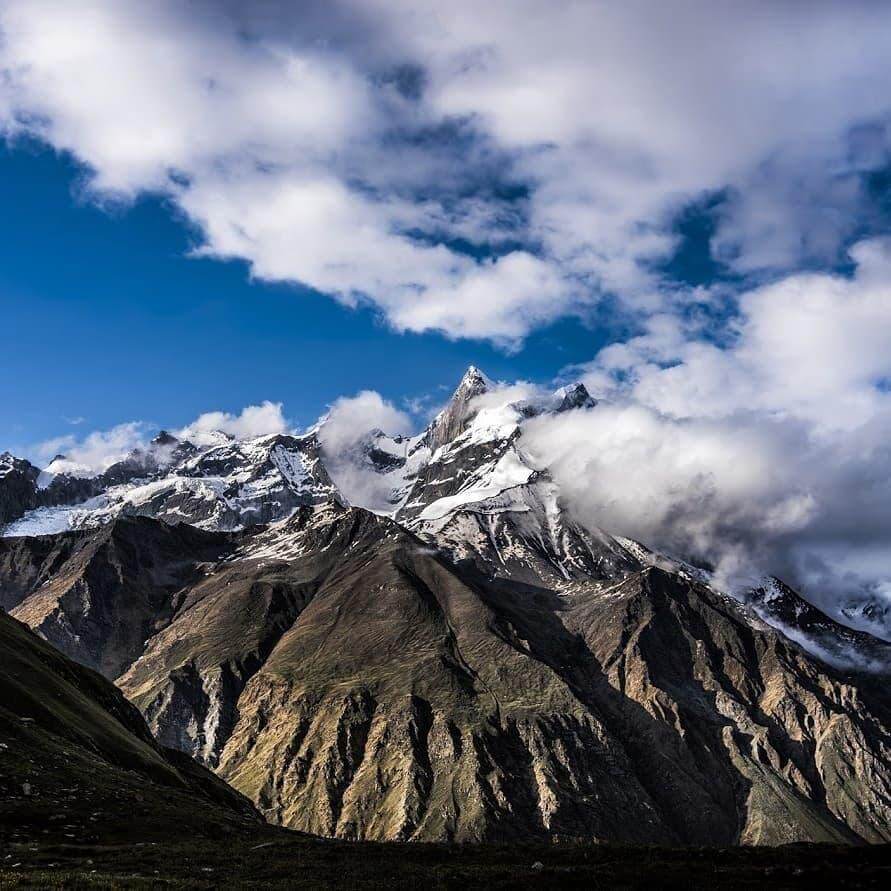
[452, 420]
[474, 666]
[24, 488]
[410, 701]
[18, 484]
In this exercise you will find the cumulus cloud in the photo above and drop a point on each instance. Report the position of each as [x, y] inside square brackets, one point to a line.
[253, 420]
[345, 431]
[355, 146]
[351, 418]
[698, 489]
[810, 346]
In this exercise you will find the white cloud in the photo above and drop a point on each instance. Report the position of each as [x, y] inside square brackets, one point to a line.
[283, 132]
[813, 347]
[93, 453]
[769, 453]
[351, 418]
[695, 488]
[98, 450]
[344, 431]
[253, 420]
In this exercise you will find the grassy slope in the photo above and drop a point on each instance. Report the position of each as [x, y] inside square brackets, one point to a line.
[76, 756]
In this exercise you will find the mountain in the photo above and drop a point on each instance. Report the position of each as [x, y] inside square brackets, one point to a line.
[222, 484]
[785, 608]
[99, 596]
[18, 481]
[466, 661]
[78, 762]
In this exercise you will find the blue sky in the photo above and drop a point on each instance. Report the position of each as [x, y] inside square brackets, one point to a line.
[108, 319]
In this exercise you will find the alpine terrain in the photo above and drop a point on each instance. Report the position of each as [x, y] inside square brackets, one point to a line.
[457, 658]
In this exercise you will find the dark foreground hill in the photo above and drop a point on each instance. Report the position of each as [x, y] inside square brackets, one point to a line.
[77, 757]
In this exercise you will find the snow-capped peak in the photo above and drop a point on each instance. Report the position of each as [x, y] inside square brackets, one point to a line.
[475, 379]
[452, 420]
[213, 479]
[572, 396]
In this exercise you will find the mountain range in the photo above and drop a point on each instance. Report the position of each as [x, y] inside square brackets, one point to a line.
[415, 639]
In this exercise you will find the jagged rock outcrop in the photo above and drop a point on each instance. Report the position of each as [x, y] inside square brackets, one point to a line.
[785, 608]
[18, 485]
[452, 420]
[25, 488]
[652, 712]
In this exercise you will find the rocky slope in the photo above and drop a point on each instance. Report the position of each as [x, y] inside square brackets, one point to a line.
[99, 596]
[352, 681]
[469, 664]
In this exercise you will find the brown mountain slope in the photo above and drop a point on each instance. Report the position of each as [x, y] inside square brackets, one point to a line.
[87, 799]
[420, 705]
[97, 595]
[353, 681]
[788, 746]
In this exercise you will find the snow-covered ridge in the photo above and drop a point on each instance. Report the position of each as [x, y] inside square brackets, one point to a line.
[466, 455]
[226, 484]
[465, 484]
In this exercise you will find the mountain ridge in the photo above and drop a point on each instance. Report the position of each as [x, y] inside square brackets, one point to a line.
[470, 663]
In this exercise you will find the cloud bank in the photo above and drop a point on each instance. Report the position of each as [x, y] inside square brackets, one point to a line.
[767, 453]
